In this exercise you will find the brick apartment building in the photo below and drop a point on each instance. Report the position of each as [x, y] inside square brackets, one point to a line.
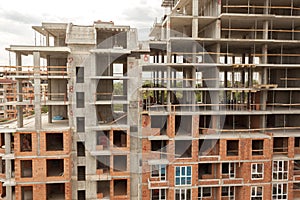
[8, 95]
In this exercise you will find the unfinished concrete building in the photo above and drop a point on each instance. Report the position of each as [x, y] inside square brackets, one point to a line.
[207, 109]
[221, 101]
[78, 145]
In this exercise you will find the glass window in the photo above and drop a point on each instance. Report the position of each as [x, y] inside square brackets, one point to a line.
[158, 194]
[183, 175]
[280, 170]
[279, 191]
[204, 192]
[256, 193]
[257, 171]
[182, 194]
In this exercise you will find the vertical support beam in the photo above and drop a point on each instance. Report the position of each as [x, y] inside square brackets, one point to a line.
[264, 80]
[169, 81]
[264, 60]
[20, 122]
[243, 83]
[49, 90]
[266, 10]
[8, 172]
[193, 85]
[266, 30]
[225, 86]
[194, 57]
[218, 55]
[162, 97]
[37, 91]
[195, 27]
[170, 97]
[134, 121]
[195, 13]
[7, 139]
[8, 192]
[219, 7]
[168, 30]
[47, 40]
[195, 8]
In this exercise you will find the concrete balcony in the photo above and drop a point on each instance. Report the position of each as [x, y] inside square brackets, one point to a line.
[157, 184]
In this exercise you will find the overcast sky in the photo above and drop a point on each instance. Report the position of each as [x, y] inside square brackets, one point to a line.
[17, 17]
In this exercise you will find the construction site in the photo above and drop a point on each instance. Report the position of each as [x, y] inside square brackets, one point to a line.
[207, 108]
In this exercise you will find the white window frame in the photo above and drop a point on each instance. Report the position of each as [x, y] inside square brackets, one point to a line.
[160, 175]
[201, 192]
[255, 171]
[160, 195]
[277, 170]
[231, 173]
[183, 176]
[255, 196]
[279, 191]
[230, 189]
[183, 192]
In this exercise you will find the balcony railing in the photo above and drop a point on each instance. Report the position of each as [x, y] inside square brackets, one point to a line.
[28, 71]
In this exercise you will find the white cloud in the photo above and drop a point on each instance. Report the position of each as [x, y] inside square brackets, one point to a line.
[17, 17]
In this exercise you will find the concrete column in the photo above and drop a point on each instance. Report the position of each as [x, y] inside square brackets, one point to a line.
[225, 86]
[168, 35]
[7, 143]
[20, 122]
[195, 8]
[162, 99]
[37, 91]
[49, 90]
[91, 189]
[8, 178]
[264, 80]
[169, 81]
[263, 99]
[195, 19]
[8, 171]
[193, 83]
[9, 192]
[218, 29]
[49, 107]
[8, 168]
[47, 40]
[219, 7]
[266, 30]
[266, 10]
[194, 58]
[134, 121]
[264, 59]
